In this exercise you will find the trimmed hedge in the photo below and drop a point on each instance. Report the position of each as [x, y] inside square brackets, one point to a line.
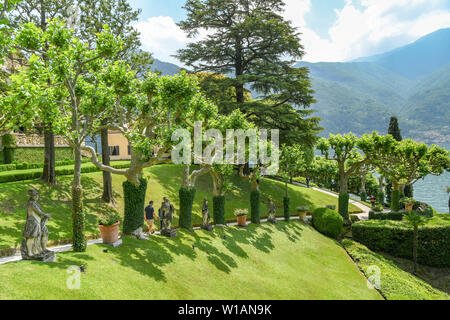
[187, 196]
[395, 200]
[328, 222]
[38, 165]
[255, 205]
[134, 199]
[396, 238]
[397, 216]
[287, 213]
[30, 174]
[219, 210]
[343, 205]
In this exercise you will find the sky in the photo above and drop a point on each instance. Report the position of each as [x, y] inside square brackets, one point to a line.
[332, 30]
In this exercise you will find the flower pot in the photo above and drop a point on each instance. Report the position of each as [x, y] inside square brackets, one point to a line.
[409, 207]
[110, 234]
[242, 221]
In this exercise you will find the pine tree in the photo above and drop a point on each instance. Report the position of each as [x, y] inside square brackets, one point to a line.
[394, 129]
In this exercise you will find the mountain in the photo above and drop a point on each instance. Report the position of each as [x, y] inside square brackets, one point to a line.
[166, 68]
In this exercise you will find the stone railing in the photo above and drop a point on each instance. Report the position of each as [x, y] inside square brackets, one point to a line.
[36, 140]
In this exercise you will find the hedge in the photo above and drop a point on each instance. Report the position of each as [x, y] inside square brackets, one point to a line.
[287, 213]
[37, 165]
[219, 210]
[30, 174]
[255, 205]
[134, 199]
[186, 201]
[396, 238]
[398, 216]
[31, 154]
[328, 222]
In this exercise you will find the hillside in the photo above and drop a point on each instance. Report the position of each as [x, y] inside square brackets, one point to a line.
[287, 261]
[164, 180]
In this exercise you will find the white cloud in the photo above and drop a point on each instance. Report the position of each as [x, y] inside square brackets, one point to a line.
[373, 27]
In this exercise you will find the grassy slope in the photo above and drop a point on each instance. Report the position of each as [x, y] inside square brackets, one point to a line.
[396, 284]
[164, 181]
[287, 261]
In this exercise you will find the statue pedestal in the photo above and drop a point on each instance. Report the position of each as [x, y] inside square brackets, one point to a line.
[208, 227]
[273, 221]
[170, 233]
[48, 256]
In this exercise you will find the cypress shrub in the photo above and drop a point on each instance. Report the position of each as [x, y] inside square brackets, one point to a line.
[396, 238]
[409, 191]
[219, 210]
[380, 198]
[79, 239]
[134, 198]
[255, 206]
[187, 196]
[8, 155]
[343, 205]
[395, 200]
[363, 196]
[9, 144]
[287, 213]
[328, 222]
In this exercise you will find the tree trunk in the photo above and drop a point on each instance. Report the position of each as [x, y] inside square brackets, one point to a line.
[107, 196]
[415, 245]
[343, 196]
[79, 239]
[49, 173]
[134, 199]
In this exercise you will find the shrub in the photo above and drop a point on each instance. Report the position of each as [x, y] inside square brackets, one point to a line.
[134, 198]
[328, 222]
[398, 216]
[363, 196]
[187, 196]
[255, 197]
[219, 210]
[343, 205]
[396, 238]
[395, 200]
[287, 214]
[380, 198]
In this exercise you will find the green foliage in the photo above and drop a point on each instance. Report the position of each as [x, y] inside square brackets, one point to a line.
[286, 209]
[187, 196]
[108, 218]
[380, 198]
[134, 203]
[240, 212]
[9, 141]
[25, 165]
[396, 238]
[255, 205]
[78, 220]
[8, 155]
[363, 196]
[394, 129]
[328, 222]
[343, 205]
[31, 154]
[219, 210]
[397, 216]
[395, 200]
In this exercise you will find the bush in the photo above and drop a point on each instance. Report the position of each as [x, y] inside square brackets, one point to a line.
[328, 222]
[186, 201]
[255, 197]
[287, 213]
[363, 196]
[134, 198]
[380, 198]
[219, 210]
[396, 238]
[395, 200]
[397, 216]
[343, 205]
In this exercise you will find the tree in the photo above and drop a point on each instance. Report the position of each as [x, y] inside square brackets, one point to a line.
[415, 221]
[119, 16]
[251, 41]
[348, 159]
[40, 12]
[68, 91]
[394, 131]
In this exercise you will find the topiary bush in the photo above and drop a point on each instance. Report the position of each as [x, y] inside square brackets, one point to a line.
[219, 210]
[343, 205]
[395, 200]
[287, 213]
[397, 216]
[255, 206]
[363, 196]
[328, 222]
[380, 198]
[134, 198]
[396, 238]
[187, 196]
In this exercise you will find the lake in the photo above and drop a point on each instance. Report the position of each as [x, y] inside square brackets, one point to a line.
[433, 190]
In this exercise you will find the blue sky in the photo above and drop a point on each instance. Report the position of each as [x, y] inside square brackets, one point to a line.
[332, 30]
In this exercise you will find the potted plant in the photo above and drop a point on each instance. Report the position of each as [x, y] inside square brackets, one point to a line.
[302, 211]
[241, 217]
[108, 223]
[409, 203]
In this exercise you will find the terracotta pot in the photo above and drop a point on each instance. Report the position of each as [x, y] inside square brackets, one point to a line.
[302, 215]
[110, 234]
[409, 207]
[242, 221]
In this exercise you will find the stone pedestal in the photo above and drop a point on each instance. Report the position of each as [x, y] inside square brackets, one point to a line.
[208, 227]
[273, 221]
[170, 233]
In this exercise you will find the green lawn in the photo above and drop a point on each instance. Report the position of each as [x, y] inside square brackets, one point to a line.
[395, 284]
[164, 180]
[286, 261]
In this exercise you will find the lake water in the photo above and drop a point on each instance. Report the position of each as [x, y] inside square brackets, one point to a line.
[433, 190]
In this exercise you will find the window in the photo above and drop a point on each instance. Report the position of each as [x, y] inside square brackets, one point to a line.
[114, 151]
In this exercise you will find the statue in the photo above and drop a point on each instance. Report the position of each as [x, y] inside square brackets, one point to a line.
[166, 211]
[206, 216]
[34, 244]
[272, 215]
